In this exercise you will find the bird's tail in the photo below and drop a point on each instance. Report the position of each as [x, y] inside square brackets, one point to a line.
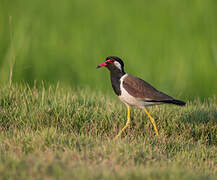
[176, 102]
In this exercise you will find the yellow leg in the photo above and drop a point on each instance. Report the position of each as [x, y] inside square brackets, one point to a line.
[127, 124]
[152, 120]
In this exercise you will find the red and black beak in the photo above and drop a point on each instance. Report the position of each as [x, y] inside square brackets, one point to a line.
[101, 65]
[105, 63]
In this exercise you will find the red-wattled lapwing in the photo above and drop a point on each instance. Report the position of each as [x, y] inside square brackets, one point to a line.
[133, 91]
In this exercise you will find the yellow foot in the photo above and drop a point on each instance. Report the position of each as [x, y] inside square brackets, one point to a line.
[127, 124]
[153, 122]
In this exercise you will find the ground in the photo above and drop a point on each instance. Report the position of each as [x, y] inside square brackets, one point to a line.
[63, 133]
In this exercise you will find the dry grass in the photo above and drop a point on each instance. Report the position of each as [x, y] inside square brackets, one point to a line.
[63, 134]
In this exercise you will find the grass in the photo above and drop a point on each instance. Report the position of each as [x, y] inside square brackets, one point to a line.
[63, 133]
[48, 132]
[170, 43]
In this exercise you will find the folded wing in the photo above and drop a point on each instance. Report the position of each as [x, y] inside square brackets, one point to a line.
[143, 90]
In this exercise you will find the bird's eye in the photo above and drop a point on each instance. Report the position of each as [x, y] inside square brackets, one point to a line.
[110, 61]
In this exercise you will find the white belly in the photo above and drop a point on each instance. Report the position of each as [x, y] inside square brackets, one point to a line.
[127, 98]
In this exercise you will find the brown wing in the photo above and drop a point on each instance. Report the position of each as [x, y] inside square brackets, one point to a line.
[143, 90]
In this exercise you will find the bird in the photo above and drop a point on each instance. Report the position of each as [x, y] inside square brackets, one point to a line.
[134, 91]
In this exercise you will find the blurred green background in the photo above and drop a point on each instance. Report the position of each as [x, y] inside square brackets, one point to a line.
[172, 44]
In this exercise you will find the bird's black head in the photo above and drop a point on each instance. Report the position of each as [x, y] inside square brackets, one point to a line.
[117, 59]
[113, 63]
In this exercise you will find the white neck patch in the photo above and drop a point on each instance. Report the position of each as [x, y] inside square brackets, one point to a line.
[118, 65]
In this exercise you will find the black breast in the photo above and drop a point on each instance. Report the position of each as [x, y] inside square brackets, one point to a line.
[115, 76]
[115, 80]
